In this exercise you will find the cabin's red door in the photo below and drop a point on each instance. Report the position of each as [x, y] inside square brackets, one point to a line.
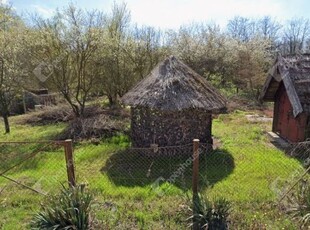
[289, 127]
[283, 115]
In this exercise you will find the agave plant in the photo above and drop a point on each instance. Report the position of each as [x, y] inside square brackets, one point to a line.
[210, 215]
[68, 210]
[299, 203]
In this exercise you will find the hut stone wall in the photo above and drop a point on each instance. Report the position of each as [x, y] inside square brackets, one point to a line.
[169, 128]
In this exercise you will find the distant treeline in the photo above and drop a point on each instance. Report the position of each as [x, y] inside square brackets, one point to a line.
[81, 53]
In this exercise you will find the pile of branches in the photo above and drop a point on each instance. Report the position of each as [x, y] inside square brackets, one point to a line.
[48, 115]
[97, 122]
[99, 126]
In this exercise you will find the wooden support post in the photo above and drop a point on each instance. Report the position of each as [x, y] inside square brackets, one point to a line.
[69, 162]
[195, 165]
[195, 182]
[24, 102]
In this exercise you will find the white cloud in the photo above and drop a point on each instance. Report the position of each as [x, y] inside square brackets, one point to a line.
[46, 12]
[3, 1]
[173, 13]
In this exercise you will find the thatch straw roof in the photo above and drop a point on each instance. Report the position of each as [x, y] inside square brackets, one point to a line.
[293, 71]
[172, 85]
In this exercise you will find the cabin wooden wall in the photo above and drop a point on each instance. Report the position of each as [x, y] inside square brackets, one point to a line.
[284, 123]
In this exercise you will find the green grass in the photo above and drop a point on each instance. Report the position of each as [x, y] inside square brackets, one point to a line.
[259, 170]
[243, 170]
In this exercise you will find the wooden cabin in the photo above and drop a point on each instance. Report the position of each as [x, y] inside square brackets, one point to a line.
[172, 106]
[288, 86]
[31, 99]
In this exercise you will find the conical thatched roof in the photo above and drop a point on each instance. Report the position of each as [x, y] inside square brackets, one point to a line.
[172, 85]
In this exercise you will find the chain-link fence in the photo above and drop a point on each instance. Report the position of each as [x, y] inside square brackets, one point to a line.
[123, 176]
[31, 166]
[249, 173]
[254, 171]
[294, 195]
[250, 176]
[135, 167]
[28, 172]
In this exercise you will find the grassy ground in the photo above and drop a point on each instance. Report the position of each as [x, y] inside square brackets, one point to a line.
[246, 169]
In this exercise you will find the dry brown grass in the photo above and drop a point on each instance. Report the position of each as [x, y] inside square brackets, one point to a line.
[97, 122]
[48, 115]
[98, 126]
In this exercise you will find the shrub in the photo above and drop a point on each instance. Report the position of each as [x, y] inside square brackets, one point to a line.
[69, 210]
[211, 215]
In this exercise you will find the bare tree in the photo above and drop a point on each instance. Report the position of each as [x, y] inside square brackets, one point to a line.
[146, 50]
[66, 47]
[269, 28]
[115, 71]
[296, 33]
[11, 31]
[241, 28]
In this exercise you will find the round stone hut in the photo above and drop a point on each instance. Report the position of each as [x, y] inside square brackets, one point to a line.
[172, 106]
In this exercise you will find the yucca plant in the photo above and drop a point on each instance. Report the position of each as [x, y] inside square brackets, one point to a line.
[298, 204]
[210, 215]
[68, 210]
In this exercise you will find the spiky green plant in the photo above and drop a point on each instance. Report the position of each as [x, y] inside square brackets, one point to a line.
[70, 209]
[210, 215]
[298, 204]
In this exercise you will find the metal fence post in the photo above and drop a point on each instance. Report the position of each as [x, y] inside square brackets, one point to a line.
[195, 182]
[69, 162]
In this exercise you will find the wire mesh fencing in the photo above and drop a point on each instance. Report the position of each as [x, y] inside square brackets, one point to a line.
[238, 172]
[135, 167]
[249, 173]
[244, 174]
[254, 171]
[29, 171]
[300, 151]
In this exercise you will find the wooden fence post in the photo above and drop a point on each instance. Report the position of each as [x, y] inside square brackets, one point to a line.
[69, 162]
[195, 182]
[195, 165]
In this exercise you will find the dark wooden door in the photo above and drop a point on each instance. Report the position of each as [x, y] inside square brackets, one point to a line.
[289, 127]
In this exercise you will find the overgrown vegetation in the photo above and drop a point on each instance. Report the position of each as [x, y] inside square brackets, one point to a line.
[81, 54]
[11, 70]
[297, 202]
[246, 184]
[71, 209]
[210, 215]
[97, 122]
[85, 54]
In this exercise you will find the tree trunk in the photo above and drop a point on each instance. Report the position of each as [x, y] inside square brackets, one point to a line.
[76, 110]
[113, 101]
[6, 123]
[82, 109]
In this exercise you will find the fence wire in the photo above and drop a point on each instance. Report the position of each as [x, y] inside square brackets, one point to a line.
[39, 166]
[257, 172]
[132, 167]
[241, 173]
[30, 169]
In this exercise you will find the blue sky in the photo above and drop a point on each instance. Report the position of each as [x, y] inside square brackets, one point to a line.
[173, 13]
